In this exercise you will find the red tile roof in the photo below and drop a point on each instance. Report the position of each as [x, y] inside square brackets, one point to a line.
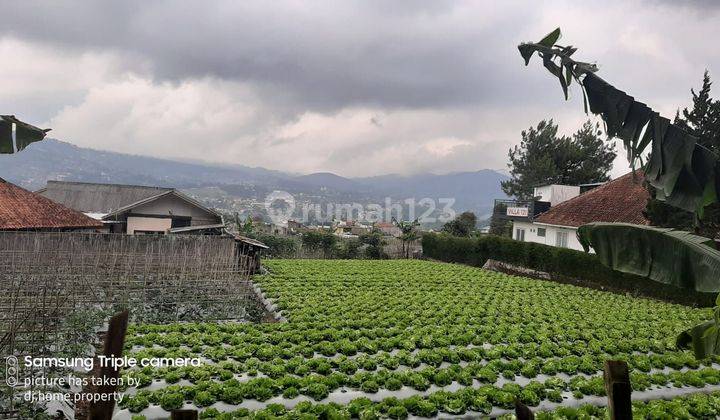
[22, 209]
[621, 200]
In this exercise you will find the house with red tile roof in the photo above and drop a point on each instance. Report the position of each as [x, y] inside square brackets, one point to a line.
[388, 229]
[21, 209]
[622, 200]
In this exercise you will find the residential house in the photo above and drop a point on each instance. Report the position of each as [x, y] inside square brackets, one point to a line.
[343, 228]
[294, 227]
[135, 209]
[21, 209]
[622, 200]
[388, 229]
[320, 228]
[510, 212]
[360, 229]
[350, 229]
[261, 226]
[271, 228]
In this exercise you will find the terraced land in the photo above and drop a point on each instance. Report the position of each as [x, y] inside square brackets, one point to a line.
[401, 338]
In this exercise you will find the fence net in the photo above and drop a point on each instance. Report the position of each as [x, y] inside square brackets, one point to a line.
[51, 282]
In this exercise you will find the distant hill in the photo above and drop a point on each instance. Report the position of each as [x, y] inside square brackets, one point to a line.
[472, 190]
[53, 159]
[235, 187]
[328, 180]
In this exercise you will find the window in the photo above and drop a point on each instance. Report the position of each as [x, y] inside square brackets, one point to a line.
[180, 222]
[541, 232]
[520, 235]
[561, 239]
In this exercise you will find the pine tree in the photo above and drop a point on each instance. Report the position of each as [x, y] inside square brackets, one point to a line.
[544, 158]
[703, 120]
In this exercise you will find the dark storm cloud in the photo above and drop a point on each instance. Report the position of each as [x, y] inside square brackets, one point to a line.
[359, 87]
[700, 5]
[325, 55]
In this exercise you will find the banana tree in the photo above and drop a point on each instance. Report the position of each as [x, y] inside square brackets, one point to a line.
[16, 135]
[684, 173]
[408, 235]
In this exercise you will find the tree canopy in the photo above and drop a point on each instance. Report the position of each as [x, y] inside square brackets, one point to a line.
[319, 241]
[703, 120]
[543, 157]
[462, 225]
[375, 245]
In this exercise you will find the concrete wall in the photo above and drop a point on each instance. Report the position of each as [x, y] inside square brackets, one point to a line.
[171, 205]
[556, 194]
[152, 224]
[532, 234]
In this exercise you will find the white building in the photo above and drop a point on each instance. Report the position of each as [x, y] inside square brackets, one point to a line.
[560, 236]
[622, 200]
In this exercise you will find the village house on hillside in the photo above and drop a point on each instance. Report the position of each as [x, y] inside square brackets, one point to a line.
[622, 200]
[23, 210]
[135, 209]
[350, 229]
[388, 229]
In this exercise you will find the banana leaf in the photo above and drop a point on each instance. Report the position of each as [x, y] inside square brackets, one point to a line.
[550, 39]
[638, 117]
[612, 104]
[664, 255]
[6, 143]
[677, 150]
[684, 174]
[682, 171]
[656, 130]
[702, 339]
[667, 256]
[25, 134]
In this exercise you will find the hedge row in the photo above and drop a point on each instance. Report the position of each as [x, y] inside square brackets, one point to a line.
[563, 264]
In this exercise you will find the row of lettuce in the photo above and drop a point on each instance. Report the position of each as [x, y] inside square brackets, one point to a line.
[439, 365]
[695, 406]
[317, 387]
[416, 327]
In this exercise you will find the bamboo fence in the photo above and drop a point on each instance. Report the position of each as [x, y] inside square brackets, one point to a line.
[45, 278]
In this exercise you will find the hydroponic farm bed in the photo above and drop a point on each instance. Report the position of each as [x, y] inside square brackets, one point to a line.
[392, 339]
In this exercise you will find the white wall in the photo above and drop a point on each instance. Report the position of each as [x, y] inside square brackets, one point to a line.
[555, 193]
[153, 224]
[531, 234]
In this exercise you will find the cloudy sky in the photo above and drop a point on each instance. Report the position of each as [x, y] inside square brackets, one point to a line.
[354, 87]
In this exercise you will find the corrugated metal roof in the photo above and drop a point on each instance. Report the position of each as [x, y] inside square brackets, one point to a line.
[98, 198]
[173, 192]
[251, 241]
[195, 228]
[622, 200]
[22, 209]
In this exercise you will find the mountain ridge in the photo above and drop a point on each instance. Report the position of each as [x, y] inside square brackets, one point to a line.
[56, 160]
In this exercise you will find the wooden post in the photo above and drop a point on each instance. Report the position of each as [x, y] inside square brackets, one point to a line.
[618, 389]
[114, 342]
[522, 412]
[184, 415]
